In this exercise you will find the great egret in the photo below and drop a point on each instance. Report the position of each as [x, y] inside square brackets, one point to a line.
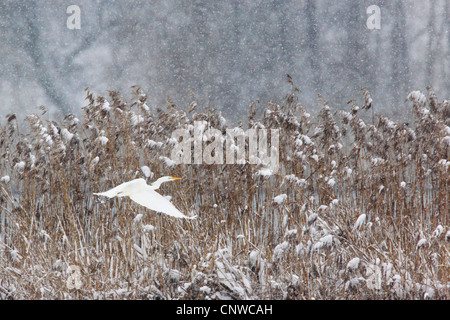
[145, 195]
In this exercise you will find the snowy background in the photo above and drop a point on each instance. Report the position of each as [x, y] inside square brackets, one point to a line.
[227, 53]
[357, 210]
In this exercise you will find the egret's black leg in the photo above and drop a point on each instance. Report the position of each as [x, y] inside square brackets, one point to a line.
[103, 200]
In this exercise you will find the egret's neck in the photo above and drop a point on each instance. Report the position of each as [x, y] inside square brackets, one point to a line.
[157, 183]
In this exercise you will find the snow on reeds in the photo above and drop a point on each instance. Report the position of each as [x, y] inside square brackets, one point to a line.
[359, 208]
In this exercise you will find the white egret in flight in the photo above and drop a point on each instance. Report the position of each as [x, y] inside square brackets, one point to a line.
[145, 195]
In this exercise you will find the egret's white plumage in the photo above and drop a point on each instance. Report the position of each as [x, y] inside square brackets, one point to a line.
[145, 195]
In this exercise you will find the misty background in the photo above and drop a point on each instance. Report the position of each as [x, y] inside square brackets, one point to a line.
[227, 53]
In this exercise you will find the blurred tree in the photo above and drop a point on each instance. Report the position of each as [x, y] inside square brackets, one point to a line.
[312, 42]
[400, 76]
[52, 57]
[432, 43]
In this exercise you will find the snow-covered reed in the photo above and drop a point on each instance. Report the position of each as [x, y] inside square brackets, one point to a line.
[359, 208]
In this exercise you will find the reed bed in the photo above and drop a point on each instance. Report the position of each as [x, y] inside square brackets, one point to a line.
[359, 208]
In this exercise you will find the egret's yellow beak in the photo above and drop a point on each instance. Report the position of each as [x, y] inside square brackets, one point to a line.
[175, 178]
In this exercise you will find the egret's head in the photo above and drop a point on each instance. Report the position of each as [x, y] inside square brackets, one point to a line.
[167, 178]
[158, 182]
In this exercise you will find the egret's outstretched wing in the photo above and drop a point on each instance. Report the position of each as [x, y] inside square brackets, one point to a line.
[154, 201]
[115, 191]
